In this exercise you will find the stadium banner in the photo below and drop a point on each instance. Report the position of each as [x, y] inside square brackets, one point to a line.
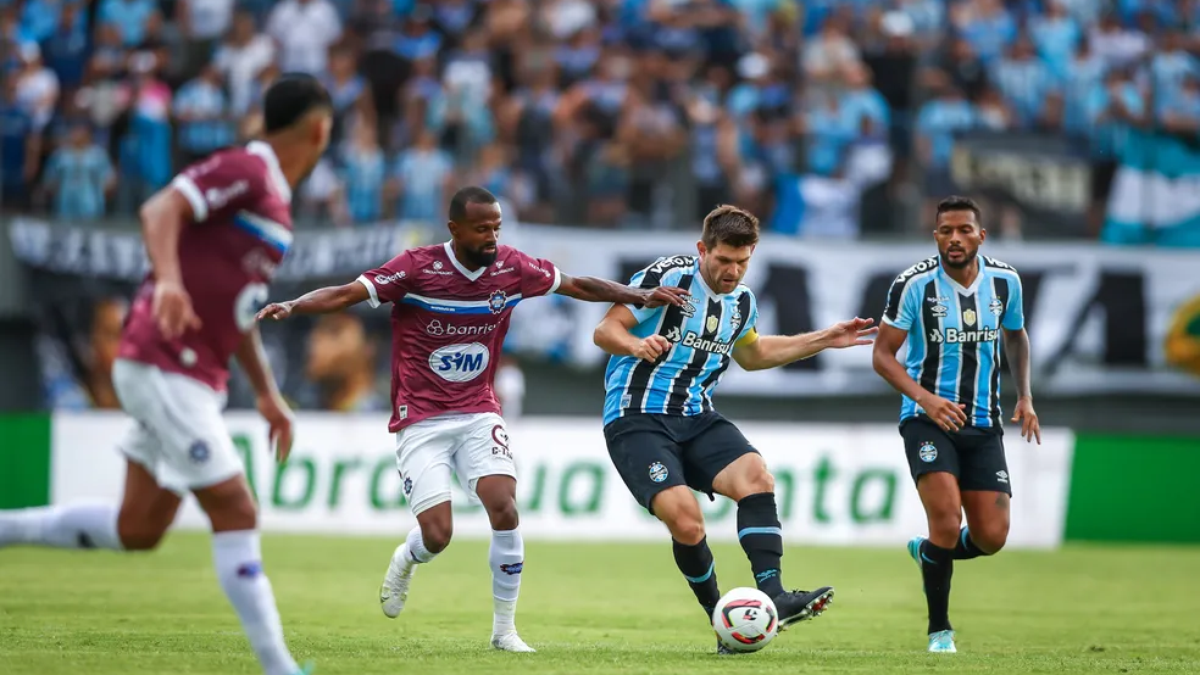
[1098, 316]
[1155, 196]
[835, 485]
[1046, 176]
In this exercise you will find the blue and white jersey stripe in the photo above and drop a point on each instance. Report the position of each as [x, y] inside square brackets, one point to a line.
[954, 333]
[702, 334]
[275, 235]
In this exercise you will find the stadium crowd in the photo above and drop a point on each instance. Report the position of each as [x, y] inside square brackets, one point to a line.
[618, 113]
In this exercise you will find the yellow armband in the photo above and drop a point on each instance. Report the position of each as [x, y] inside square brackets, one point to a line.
[747, 339]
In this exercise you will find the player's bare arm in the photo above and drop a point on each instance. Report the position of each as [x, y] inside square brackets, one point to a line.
[163, 218]
[253, 360]
[948, 415]
[592, 289]
[771, 351]
[613, 335]
[1016, 345]
[321, 301]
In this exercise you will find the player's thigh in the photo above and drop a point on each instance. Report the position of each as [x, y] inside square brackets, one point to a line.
[718, 458]
[182, 438]
[645, 455]
[481, 450]
[425, 460]
[147, 509]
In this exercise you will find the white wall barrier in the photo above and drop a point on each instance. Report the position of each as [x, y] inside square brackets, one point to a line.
[836, 485]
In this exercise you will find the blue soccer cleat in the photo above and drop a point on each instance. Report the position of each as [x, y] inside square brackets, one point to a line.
[942, 642]
[307, 669]
[914, 550]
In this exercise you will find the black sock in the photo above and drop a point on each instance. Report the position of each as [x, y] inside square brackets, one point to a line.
[696, 564]
[937, 566]
[966, 549]
[761, 537]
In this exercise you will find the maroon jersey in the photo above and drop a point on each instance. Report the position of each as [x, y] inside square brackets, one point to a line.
[241, 204]
[448, 326]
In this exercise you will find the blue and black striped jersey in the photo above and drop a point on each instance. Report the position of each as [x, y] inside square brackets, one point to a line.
[954, 333]
[702, 334]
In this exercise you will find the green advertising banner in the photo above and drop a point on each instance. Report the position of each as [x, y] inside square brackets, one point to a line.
[24, 460]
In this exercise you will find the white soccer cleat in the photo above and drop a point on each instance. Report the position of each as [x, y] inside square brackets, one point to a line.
[511, 642]
[394, 591]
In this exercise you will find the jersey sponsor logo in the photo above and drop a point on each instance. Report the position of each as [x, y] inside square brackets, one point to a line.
[497, 301]
[504, 270]
[439, 329]
[923, 266]
[535, 268]
[219, 197]
[673, 334]
[668, 263]
[956, 336]
[460, 363]
[384, 280]
[437, 269]
[252, 298]
[500, 440]
[700, 344]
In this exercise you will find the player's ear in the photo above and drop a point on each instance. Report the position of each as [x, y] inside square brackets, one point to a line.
[700, 247]
[982, 235]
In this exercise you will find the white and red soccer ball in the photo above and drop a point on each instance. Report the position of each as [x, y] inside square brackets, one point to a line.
[745, 620]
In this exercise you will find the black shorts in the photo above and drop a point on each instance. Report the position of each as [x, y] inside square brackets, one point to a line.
[655, 452]
[974, 455]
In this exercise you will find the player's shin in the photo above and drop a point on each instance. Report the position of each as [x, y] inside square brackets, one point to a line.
[238, 561]
[506, 556]
[697, 565]
[761, 537]
[78, 526]
[937, 567]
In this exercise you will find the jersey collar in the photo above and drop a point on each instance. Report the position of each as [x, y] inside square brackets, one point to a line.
[268, 154]
[959, 287]
[459, 266]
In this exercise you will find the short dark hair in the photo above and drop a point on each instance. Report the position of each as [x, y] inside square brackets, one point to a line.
[957, 203]
[730, 225]
[290, 98]
[472, 194]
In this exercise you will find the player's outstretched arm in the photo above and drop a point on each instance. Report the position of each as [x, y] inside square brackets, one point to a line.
[163, 218]
[321, 301]
[1016, 346]
[274, 409]
[944, 413]
[613, 335]
[759, 353]
[592, 289]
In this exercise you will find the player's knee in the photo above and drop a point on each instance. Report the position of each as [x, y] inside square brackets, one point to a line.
[760, 480]
[686, 528]
[991, 537]
[503, 514]
[139, 535]
[436, 535]
[944, 526]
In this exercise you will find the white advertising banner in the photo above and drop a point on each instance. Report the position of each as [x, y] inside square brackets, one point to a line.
[835, 485]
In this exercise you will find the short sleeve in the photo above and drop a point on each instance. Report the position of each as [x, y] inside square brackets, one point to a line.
[389, 283]
[538, 276]
[1014, 312]
[749, 330]
[222, 185]
[652, 277]
[901, 309]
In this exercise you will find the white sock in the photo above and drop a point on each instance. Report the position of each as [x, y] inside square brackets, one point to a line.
[415, 547]
[238, 560]
[507, 559]
[83, 526]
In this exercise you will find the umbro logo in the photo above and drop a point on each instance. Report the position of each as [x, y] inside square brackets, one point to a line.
[1002, 477]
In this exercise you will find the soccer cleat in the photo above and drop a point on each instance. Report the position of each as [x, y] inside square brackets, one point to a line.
[394, 591]
[511, 642]
[914, 550]
[942, 642]
[307, 669]
[722, 650]
[794, 606]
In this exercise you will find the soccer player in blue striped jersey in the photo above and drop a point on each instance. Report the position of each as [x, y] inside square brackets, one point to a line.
[954, 309]
[662, 431]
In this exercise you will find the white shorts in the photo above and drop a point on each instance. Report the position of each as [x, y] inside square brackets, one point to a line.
[181, 438]
[431, 451]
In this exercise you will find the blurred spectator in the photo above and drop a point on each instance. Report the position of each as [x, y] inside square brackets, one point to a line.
[203, 116]
[80, 176]
[241, 58]
[202, 24]
[37, 86]
[133, 19]
[20, 148]
[364, 174]
[421, 180]
[304, 31]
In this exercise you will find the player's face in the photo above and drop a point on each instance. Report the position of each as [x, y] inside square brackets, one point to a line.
[958, 236]
[478, 235]
[723, 266]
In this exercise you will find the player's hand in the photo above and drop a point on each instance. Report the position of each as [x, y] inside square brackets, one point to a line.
[651, 348]
[852, 333]
[279, 417]
[1030, 427]
[275, 310]
[665, 295]
[172, 310]
[946, 414]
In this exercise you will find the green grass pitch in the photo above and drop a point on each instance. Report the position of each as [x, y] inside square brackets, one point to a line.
[596, 608]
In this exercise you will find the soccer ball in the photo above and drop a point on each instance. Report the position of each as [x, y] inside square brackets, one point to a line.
[745, 620]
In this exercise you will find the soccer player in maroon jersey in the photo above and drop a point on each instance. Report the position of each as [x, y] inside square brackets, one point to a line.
[451, 307]
[214, 236]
